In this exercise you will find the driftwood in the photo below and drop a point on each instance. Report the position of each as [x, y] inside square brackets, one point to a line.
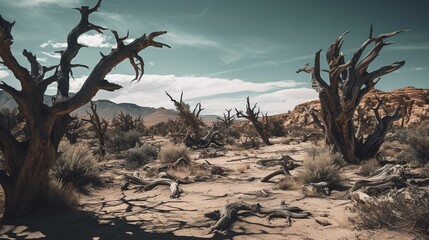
[283, 170]
[278, 161]
[387, 177]
[146, 185]
[227, 214]
[316, 189]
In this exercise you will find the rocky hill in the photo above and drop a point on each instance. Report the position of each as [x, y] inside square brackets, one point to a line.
[107, 109]
[403, 96]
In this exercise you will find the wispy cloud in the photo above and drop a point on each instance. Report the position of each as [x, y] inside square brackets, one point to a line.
[216, 94]
[196, 15]
[52, 55]
[190, 40]
[4, 74]
[417, 47]
[418, 68]
[53, 44]
[39, 3]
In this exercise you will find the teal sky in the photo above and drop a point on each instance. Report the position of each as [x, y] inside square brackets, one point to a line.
[225, 50]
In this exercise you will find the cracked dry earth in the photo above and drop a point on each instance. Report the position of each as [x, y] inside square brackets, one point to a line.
[110, 213]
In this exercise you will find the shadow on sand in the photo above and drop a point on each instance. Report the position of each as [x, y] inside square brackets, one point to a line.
[77, 225]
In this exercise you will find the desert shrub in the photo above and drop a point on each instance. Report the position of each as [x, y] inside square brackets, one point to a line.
[61, 195]
[425, 171]
[276, 128]
[140, 155]
[286, 183]
[322, 165]
[170, 153]
[76, 166]
[418, 139]
[406, 212]
[368, 167]
[123, 140]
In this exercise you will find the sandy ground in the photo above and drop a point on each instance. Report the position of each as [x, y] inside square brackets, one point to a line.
[110, 213]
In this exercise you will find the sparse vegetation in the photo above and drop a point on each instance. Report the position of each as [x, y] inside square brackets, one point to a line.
[368, 167]
[286, 183]
[406, 212]
[123, 140]
[138, 156]
[76, 166]
[170, 153]
[418, 139]
[321, 165]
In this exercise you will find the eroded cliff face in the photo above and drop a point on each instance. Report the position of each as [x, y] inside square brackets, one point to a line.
[414, 101]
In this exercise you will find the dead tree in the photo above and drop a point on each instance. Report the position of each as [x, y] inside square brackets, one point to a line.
[193, 124]
[74, 129]
[99, 126]
[25, 180]
[227, 120]
[348, 83]
[258, 120]
[124, 122]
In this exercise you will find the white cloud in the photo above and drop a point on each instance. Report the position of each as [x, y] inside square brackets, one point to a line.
[418, 68]
[53, 44]
[4, 74]
[190, 40]
[150, 91]
[95, 40]
[42, 59]
[37, 3]
[52, 55]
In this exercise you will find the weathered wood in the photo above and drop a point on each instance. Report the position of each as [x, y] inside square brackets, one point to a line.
[260, 124]
[348, 83]
[316, 189]
[282, 171]
[146, 185]
[227, 214]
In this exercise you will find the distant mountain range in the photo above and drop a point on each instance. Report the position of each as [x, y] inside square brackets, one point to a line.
[107, 109]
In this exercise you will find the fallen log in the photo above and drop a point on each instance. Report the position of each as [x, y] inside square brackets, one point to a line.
[282, 170]
[146, 185]
[284, 159]
[227, 214]
[387, 177]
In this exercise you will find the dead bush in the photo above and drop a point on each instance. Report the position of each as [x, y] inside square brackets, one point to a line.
[321, 165]
[170, 153]
[405, 211]
[368, 167]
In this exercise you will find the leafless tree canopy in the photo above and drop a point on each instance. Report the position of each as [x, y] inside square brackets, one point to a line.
[26, 176]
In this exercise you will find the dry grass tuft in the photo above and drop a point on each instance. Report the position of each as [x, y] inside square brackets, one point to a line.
[170, 153]
[406, 212]
[286, 183]
[368, 167]
[241, 168]
[322, 165]
[61, 196]
[76, 166]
